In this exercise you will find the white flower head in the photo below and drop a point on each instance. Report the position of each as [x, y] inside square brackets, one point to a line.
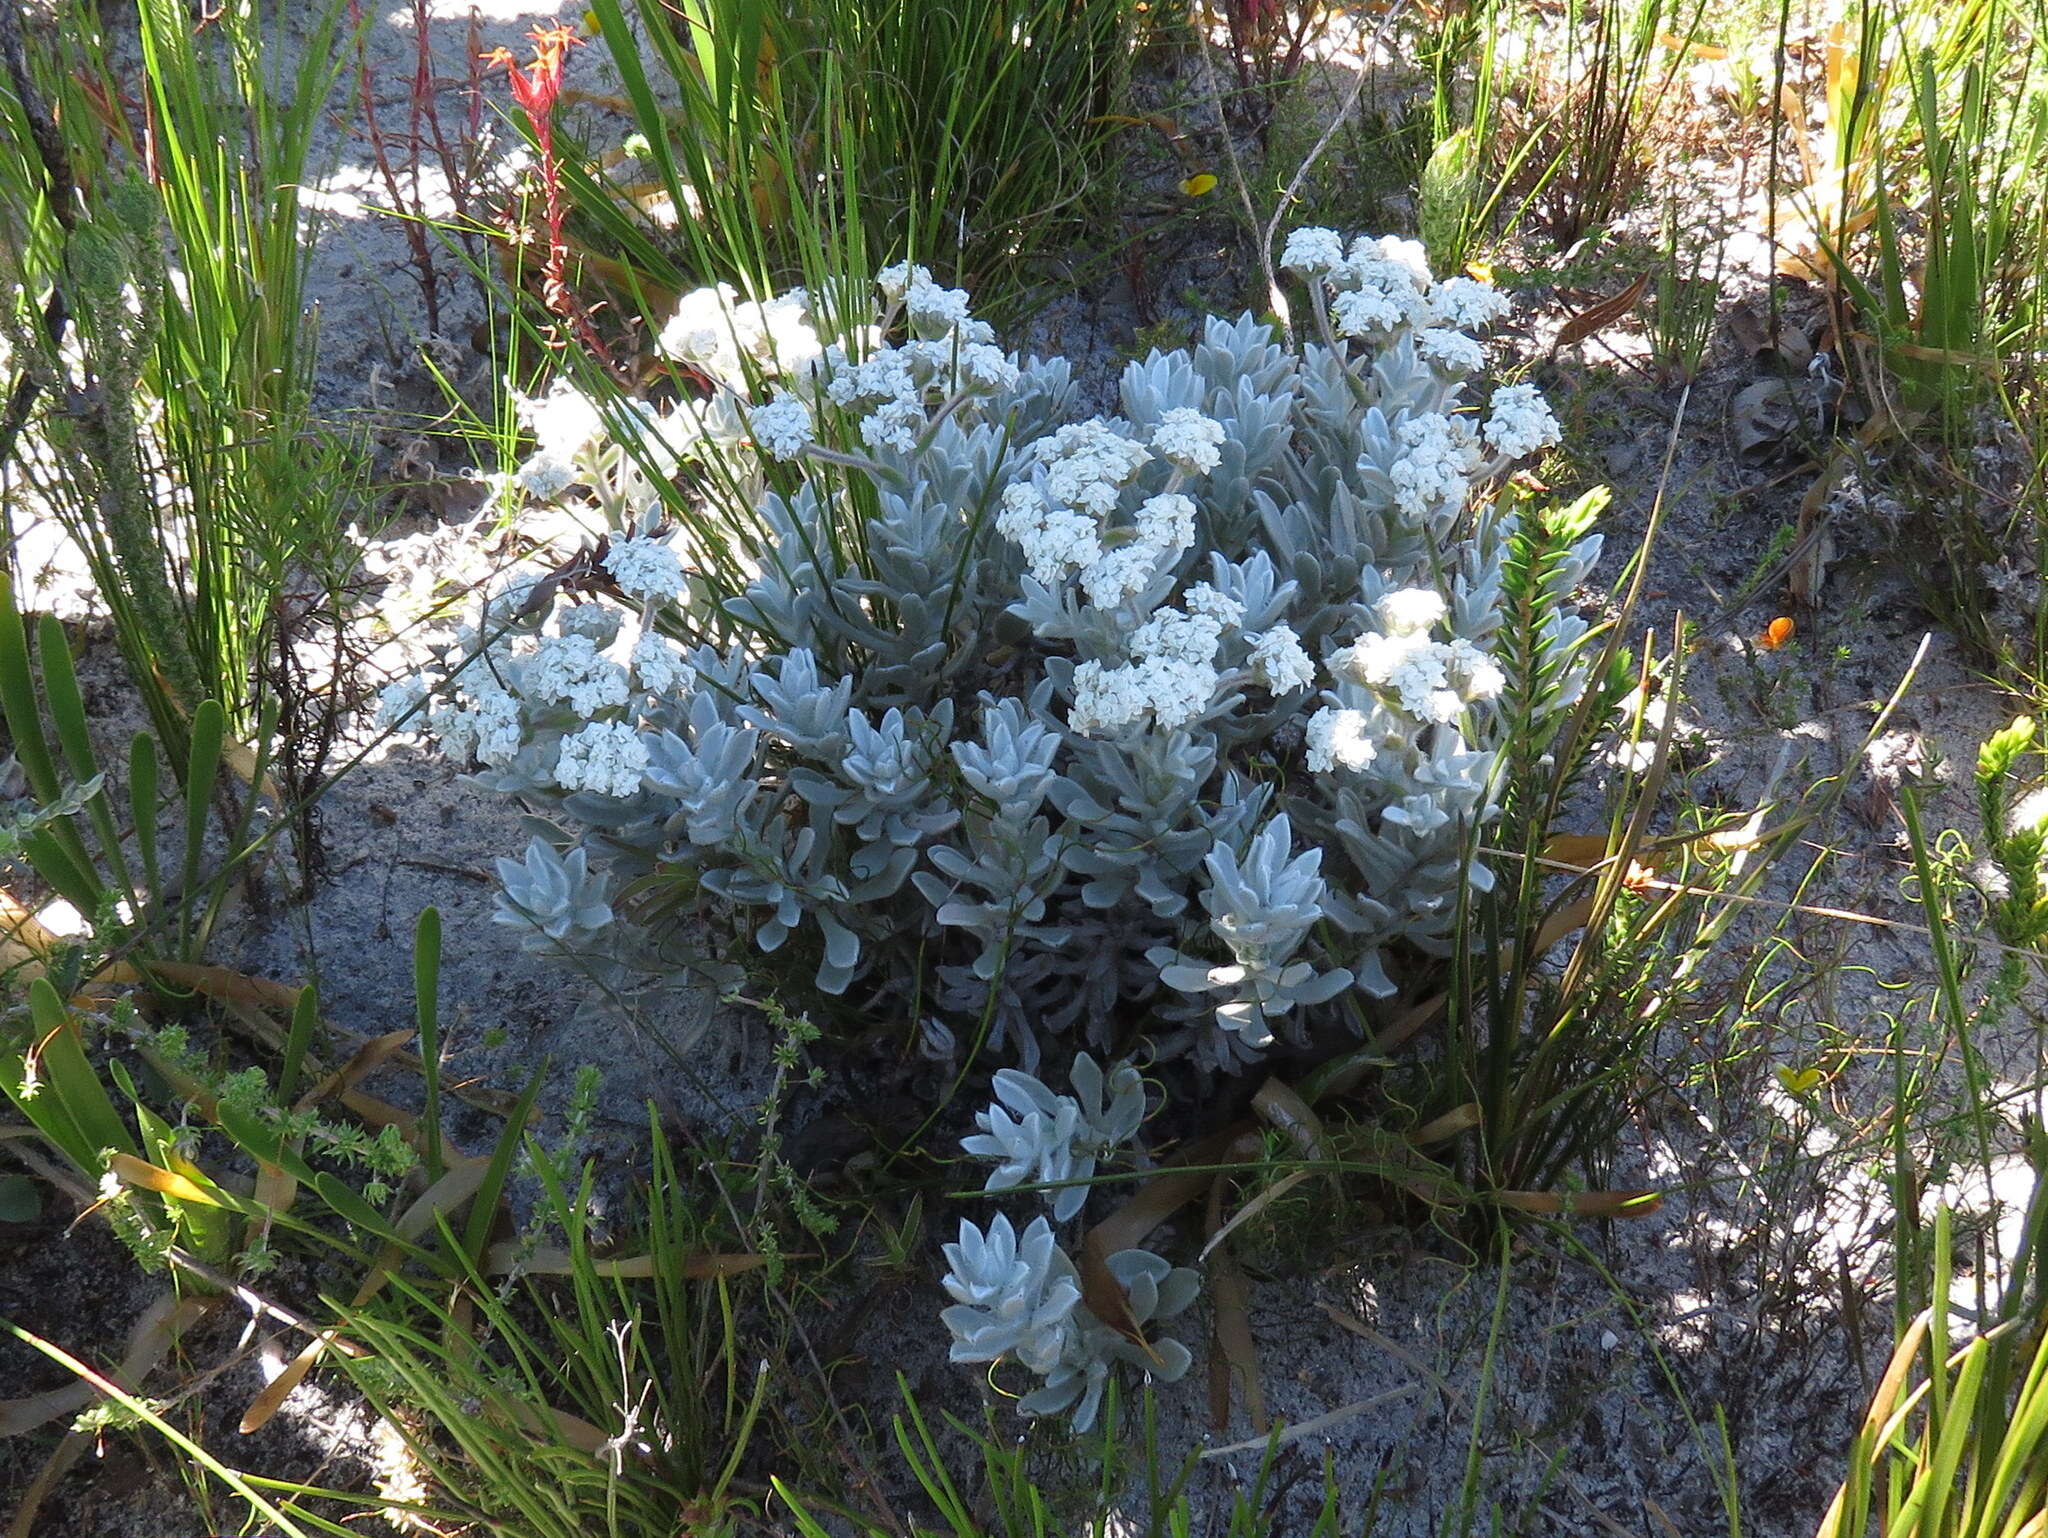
[1121, 573]
[644, 568]
[1410, 667]
[544, 478]
[895, 424]
[658, 665]
[488, 729]
[606, 757]
[935, 310]
[701, 332]
[1480, 677]
[1202, 598]
[983, 367]
[1409, 255]
[1452, 351]
[1520, 422]
[564, 423]
[1056, 541]
[1313, 251]
[571, 670]
[1109, 700]
[399, 700]
[1278, 661]
[782, 429]
[1443, 706]
[1167, 523]
[1368, 312]
[1410, 610]
[778, 336]
[1337, 740]
[1180, 691]
[1106, 699]
[1467, 303]
[1380, 288]
[1434, 474]
[1086, 464]
[1178, 637]
[1189, 439]
[897, 280]
[884, 374]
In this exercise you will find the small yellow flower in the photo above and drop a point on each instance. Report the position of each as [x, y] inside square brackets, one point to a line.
[1799, 1081]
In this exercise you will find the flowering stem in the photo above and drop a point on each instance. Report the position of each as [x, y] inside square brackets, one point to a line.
[953, 403]
[860, 462]
[1323, 329]
[536, 87]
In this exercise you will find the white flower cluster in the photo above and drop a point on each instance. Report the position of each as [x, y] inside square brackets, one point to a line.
[1063, 521]
[1172, 678]
[1377, 286]
[1278, 661]
[1439, 457]
[607, 757]
[715, 331]
[568, 696]
[617, 458]
[1189, 439]
[645, 569]
[570, 670]
[1520, 422]
[950, 355]
[783, 427]
[565, 424]
[1431, 680]
[1059, 518]
[659, 666]
[1381, 292]
[481, 722]
[1339, 738]
[1087, 465]
[1056, 541]
[1466, 303]
[1162, 529]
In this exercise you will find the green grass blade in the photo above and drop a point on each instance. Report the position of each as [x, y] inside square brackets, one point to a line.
[426, 981]
[305, 1016]
[144, 807]
[483, 1209]
[202, 773]
[70, 1076]
[18, 701]
[142, 1411]
[66, 705]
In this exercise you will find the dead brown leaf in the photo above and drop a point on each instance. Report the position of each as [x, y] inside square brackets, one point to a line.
[369, 1057]
[1234, 1355]
[1601, 314]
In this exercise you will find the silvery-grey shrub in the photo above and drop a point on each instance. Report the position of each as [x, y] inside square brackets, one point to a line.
[1018, 1299]
[1047, 726]
[1173, 731]
[1037, 1137]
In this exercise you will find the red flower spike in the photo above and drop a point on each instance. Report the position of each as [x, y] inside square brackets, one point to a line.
[536, 88]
